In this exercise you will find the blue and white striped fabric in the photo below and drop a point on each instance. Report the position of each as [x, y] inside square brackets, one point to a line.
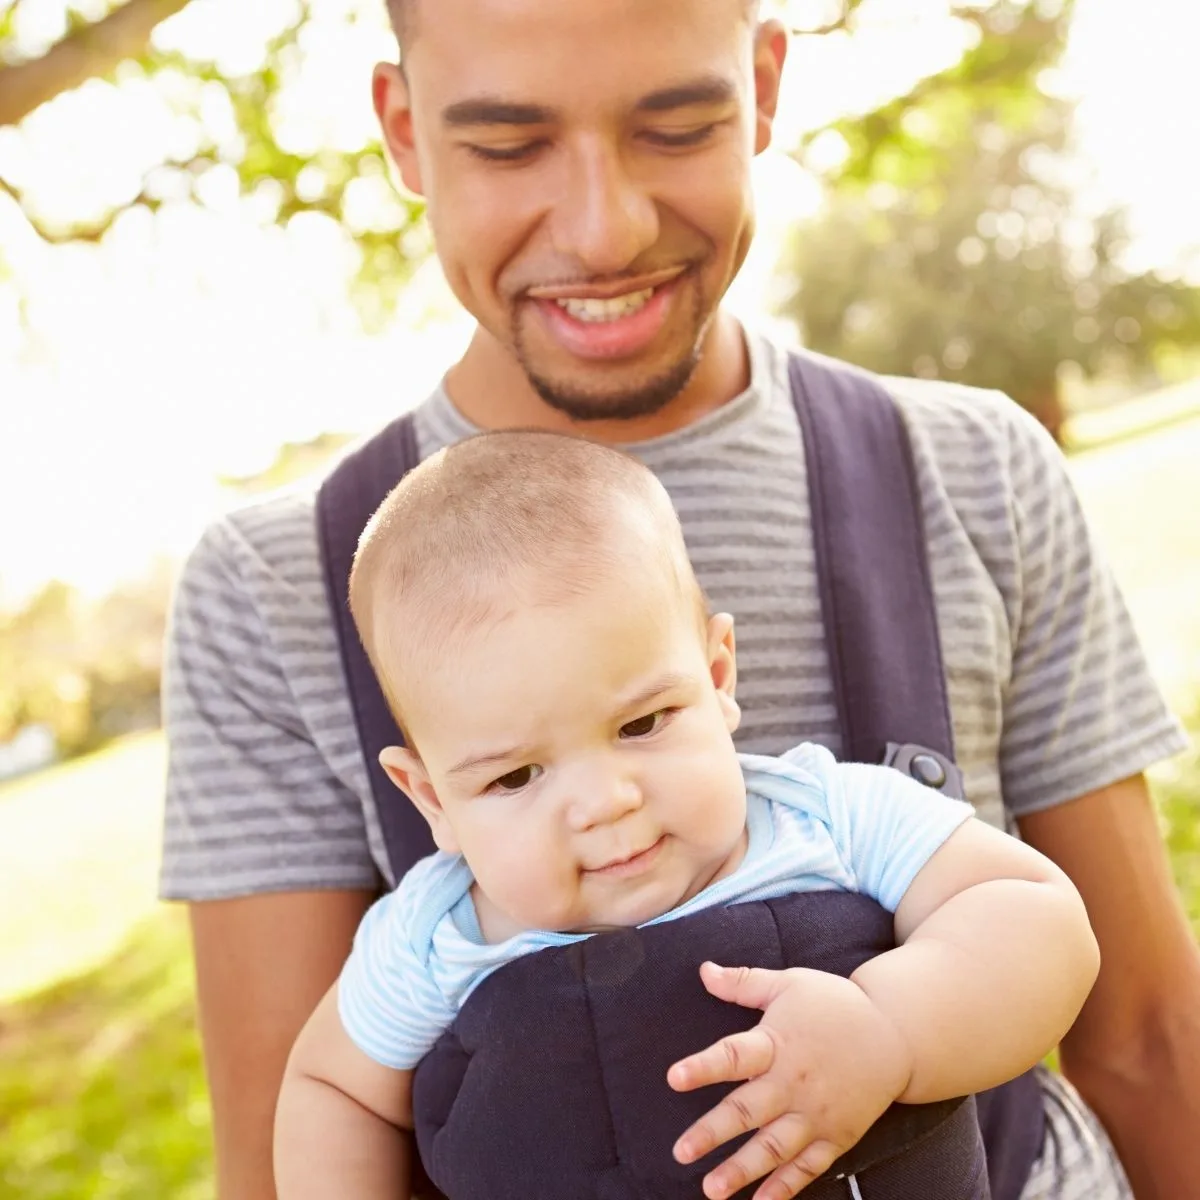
[814, 825]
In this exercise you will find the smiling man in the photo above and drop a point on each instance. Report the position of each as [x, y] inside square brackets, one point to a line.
[587, 171]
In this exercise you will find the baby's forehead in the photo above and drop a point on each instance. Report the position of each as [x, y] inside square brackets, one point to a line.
[542, 628]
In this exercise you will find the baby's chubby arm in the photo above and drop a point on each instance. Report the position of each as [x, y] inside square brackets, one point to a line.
[340, 1126]
[996, 958]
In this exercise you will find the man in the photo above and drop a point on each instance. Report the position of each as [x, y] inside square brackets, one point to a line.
[586, 167]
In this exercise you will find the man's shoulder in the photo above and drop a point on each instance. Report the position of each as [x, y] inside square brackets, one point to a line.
[956, 413]
[263, 537]
[947, 421]
[270, 541]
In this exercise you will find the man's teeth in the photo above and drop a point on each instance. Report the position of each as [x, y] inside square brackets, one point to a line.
[607, 310]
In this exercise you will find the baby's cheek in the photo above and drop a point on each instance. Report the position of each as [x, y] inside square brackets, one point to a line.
[529, 879]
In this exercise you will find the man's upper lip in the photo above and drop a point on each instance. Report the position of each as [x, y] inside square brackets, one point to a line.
[604, 291]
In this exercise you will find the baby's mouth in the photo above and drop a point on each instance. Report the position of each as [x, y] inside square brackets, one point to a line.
[630, 864]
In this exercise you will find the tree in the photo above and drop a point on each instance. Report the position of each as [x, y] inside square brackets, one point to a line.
[226, 120]
[84, 670]
[952, 242]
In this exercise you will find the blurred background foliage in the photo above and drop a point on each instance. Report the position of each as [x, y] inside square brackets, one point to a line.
[949, 232]
[231, 132]
[954, 242]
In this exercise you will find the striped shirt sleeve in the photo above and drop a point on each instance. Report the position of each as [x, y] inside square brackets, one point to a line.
[1081, 710]
[252, 804]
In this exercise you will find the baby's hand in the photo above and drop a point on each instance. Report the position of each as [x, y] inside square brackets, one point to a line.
[823, 1064]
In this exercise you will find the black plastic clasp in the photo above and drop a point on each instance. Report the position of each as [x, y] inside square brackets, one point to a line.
[926, 766]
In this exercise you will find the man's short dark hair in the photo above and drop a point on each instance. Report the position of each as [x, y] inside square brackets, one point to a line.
[401, 14]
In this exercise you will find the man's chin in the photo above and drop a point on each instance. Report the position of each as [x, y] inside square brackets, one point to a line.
[614, 399]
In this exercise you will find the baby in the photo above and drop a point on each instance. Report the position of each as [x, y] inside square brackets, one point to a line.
[568, 705]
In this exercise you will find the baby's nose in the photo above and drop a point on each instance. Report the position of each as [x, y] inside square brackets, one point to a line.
[606, 801]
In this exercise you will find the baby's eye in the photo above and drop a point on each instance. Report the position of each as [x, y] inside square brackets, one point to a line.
[644, 726]
[514, 781]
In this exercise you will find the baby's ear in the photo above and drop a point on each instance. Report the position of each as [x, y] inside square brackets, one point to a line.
[406, 770]
[722, 666]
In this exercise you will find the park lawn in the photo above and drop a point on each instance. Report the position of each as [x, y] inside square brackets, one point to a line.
[102, 1094]
[78, 861]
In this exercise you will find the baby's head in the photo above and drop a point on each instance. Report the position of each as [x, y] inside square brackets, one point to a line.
[528, 605]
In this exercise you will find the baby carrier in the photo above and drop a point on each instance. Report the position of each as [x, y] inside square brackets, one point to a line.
[551, 1084]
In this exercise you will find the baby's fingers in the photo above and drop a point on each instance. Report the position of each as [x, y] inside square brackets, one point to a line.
[775, 1150]
[739, 1056]
[752, 1106]
[797, 1174]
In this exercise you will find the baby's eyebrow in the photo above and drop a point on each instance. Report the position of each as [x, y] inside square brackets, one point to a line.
[473, 762]
[654, 689]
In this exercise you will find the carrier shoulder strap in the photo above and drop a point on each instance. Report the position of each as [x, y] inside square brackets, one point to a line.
[346, 499]
[889, 678]
[877, 604]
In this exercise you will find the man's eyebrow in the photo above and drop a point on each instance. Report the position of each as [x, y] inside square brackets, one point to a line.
[490, 110]
[707, 89]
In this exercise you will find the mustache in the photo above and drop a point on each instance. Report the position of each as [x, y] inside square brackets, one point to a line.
[572, 277]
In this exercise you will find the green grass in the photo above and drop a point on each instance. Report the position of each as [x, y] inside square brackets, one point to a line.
[102, 1094]
[101, 1091]
[78, 859]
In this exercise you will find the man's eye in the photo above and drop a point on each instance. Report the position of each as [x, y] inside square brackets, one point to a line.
[644, 726]
[514, 781]
[679, 141]
[506, 154]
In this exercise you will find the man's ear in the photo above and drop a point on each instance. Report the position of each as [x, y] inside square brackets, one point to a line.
[408, 773]
[722, 666]
[393, 107]
[770, 53]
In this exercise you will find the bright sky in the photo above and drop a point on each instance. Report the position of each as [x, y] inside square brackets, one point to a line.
[196, 343]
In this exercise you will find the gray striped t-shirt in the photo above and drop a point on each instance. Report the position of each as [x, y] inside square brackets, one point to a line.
[1051, 696]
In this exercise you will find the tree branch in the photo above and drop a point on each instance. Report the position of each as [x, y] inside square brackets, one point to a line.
[148, 198]
[843, 23]
[85, 54]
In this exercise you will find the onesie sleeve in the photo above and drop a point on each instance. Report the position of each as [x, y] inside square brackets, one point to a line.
[886, 825]
[389, 1000]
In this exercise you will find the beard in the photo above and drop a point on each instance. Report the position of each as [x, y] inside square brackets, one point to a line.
[643, 399]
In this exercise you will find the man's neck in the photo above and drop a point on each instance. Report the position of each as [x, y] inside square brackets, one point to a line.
[489, 388]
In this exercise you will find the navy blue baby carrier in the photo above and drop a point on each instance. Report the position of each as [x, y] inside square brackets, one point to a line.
[551, 1083]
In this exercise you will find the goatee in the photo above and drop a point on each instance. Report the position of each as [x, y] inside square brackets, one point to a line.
[642, 400]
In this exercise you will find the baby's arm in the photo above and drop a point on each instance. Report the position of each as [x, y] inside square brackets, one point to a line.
[995, 962]
[341, 1120]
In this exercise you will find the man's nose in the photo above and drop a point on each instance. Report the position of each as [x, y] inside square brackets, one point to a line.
[604, 218]
[602, 798]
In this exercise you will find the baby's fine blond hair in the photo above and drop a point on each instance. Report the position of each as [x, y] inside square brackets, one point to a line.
[502, 520]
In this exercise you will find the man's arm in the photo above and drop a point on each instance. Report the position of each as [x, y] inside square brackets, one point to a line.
[1134, 1052]
[262, 965]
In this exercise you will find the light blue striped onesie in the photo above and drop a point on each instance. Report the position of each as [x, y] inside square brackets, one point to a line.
[814, 824]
